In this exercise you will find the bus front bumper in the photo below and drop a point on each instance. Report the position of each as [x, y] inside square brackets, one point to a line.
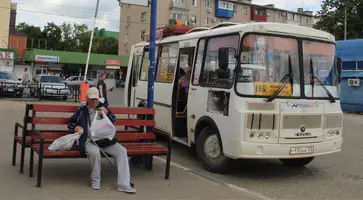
[277, 151]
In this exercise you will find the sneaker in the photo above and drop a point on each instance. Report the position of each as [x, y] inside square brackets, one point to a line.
[96, 185]
[127, 189]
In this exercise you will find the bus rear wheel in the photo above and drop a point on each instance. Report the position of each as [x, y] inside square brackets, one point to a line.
[209, 150]
[297, 162]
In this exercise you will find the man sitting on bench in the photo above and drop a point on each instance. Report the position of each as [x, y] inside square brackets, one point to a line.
[81, 122]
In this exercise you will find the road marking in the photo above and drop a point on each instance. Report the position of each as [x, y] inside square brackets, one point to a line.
[232, 186]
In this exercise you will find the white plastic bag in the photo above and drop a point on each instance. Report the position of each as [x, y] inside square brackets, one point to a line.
[102, 128]
[64, 143]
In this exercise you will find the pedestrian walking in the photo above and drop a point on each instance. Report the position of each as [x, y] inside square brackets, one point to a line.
[26, 77]
[102, 88]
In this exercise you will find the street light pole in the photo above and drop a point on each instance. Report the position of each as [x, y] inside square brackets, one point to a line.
[345, 20]
[151, 74]
[91, 41]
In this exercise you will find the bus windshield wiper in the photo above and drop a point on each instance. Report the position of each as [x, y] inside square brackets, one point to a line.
[315, 78]
[287, 78]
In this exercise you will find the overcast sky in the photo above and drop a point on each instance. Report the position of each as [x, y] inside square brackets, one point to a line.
[39, 12]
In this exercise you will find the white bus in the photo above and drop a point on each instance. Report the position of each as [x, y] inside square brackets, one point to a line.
[256, 91]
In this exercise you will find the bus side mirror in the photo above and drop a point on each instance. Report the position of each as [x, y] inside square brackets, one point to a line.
[339, 70]
[224, 55]
[223, 58]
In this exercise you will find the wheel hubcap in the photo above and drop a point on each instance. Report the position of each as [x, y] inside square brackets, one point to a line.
[211, 147]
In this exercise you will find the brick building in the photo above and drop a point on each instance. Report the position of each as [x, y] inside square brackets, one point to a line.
[135, 19]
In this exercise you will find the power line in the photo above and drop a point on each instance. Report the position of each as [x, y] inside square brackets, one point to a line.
[78, 17]
[64, 5]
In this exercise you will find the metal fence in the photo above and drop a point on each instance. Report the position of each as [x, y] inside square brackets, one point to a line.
[39, 91]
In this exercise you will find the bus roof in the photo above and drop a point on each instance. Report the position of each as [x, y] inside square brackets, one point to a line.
[261, 27]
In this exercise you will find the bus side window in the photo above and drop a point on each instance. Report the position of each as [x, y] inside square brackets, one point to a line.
[198, 62]
[166, 63]
[220, 61]
[144, 73]
[135, 69]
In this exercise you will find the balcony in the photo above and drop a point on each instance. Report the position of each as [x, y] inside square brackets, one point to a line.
[223, 11]
[258, 15]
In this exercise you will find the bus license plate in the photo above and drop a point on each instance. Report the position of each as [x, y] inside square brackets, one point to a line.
[301, 150]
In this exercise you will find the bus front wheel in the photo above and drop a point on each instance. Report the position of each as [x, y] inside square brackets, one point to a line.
[297, 162]
[209, 150]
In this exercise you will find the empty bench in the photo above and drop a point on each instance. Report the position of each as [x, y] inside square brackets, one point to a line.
[137, 142]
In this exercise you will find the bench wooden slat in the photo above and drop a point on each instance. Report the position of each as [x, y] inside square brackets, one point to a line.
[122, 136]
[132, 149]
[128, 110]
[54, 108]
[134, 122]
[50, 120]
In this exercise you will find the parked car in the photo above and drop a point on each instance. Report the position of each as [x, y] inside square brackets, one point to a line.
[52, 86]
[77, 80]
[10, 84]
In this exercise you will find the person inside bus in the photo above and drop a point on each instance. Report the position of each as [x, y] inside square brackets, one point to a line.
[184, 82]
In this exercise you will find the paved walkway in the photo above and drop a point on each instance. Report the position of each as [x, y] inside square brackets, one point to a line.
[68, 178]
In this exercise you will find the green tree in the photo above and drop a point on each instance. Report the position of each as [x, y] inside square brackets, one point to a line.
[35, 35]
[53, 35]
[332, 15]
[108, 45]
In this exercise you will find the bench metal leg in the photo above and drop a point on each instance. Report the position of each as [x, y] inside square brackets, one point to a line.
[31, 163]
[22, 157]
[150, 162]
[167, 167]
[13, 162]
[40, 170]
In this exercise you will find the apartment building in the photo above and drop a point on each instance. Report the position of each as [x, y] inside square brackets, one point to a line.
[5, 6]
[135, 20]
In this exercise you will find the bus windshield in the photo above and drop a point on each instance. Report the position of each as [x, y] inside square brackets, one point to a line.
[264, 63]
[319, 64]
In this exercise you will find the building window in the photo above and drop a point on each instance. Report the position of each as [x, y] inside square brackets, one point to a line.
[207, 3]
[206, 21]
[226, 5]
[143, 16]
[142, 33]
[193, 19]
[195, 3]
[179, 1]
[279, 15]
[269, 14]
[259, 11]
[179, 16]
[290, 16]
[245, 10]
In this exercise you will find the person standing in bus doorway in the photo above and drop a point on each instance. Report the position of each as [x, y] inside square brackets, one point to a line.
[101, 86]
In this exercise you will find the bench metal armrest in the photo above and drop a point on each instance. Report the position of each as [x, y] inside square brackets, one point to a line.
[16, 129]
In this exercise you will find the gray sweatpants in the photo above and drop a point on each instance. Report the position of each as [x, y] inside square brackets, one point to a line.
[118, 153]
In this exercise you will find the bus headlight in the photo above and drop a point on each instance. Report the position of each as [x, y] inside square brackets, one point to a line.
[333, 133]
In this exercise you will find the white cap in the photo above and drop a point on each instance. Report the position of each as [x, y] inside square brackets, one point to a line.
[92, 93]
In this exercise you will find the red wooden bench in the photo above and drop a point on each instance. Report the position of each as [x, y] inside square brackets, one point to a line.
[136, 142]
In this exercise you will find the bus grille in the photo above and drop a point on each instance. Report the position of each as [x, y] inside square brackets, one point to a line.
[296, 121]
[333, 121]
